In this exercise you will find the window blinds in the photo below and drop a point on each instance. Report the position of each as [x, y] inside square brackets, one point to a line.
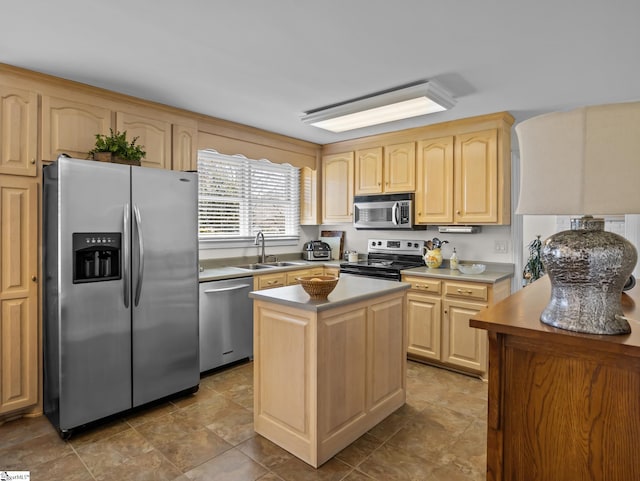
[239, 197]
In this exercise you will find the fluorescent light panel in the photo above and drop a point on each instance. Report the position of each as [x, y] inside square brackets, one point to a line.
[393, 105]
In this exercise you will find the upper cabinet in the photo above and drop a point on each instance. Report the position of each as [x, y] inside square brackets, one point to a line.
[308, 196]
[70, 127]
[185, 147]
[153, 134]
[434, 189]
[18, 131]
[475, 183]
[385, 169]
[337, 188]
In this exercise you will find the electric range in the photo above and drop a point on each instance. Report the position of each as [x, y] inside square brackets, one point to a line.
[386, 258]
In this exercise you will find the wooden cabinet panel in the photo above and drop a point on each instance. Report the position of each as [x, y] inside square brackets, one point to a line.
[368, 171]
[337, 188]
[153, 134]
[184, 147]
[463, 346]
[341, 381]
[386, 342]
[476, 177]
[424, 322]
[70, 127]
[400, 167]
[18, 131]
[312, 271]
[308, 196]
[434, 181]
[18, 293]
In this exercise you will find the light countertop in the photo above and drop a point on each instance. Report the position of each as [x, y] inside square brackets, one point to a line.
[494, 273]
[218, 273]
[349, 289]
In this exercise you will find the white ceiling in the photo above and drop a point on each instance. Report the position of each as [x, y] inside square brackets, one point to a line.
[264, 62]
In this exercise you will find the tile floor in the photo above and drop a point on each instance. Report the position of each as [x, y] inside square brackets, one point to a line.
[439, 434]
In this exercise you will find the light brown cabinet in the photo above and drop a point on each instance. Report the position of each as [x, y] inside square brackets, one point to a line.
[18, 293]
[337, 188]
[308, 196]
[184, 147]
[386, 170]
[18, 131]
[438, 313]
[434, 184]
[154, 134]
[476, 177]
[70, 127]
[458, 179]
[288, 278]
[269, 281]
[291, 276]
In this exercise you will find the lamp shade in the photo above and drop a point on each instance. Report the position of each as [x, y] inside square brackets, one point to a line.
[585, 161]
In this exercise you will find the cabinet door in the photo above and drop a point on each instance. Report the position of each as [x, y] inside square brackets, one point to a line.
[269, 281]
[476, 177]
[434, 184]
[308, 196]
[70, 127]
[462, 345]
[18, 131]
[185, 147]
[400, 167]
[18, 293]
[368, 171]
[337, 188]
[153, 134]
[424, 320]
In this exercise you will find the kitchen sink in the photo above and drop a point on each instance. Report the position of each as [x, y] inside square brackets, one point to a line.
[253, 267]
[282, 264]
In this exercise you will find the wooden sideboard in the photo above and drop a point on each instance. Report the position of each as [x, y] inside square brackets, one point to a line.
[563, 406]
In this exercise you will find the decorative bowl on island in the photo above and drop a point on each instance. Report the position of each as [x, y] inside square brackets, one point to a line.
[471, 268]
[318, 287]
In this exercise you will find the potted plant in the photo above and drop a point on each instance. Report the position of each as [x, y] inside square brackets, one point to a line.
[116, 148]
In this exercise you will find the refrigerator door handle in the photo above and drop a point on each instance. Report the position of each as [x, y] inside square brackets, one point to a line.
[127, 256]
[138, 220]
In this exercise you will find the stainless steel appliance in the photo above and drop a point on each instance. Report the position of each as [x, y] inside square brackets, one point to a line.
[120, 290]
[316, 251]
[386, 258]
[226, 322]
[388, 211]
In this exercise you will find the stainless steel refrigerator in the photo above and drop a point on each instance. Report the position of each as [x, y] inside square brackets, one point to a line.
[121, 288]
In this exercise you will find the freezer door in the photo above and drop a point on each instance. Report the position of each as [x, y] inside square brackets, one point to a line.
[164, 283]
[92, 325]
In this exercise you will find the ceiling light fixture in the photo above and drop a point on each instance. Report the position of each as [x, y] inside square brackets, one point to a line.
[402, 103]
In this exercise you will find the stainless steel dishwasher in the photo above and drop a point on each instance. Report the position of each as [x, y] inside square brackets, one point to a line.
[226, 322]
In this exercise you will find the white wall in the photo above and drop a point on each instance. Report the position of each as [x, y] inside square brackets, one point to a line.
[476, 247]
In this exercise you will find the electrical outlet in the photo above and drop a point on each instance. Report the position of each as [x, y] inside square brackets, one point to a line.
[501, 247]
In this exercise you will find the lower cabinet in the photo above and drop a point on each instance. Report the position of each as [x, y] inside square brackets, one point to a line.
[438, 313]
[288, 278]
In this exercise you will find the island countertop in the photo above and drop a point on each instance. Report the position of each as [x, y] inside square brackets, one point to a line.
[349, 289]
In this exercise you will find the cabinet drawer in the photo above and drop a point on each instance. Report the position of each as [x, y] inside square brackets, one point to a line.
[269, 281]
[467, 290]
[423, 284]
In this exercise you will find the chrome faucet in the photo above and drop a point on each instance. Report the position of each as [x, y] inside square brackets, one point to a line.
[256, 242]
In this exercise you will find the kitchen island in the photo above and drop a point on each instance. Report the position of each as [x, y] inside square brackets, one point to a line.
[327, 371]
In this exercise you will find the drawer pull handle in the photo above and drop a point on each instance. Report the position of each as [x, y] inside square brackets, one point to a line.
[464, 291]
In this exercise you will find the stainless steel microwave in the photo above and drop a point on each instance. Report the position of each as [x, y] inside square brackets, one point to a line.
[387, 211]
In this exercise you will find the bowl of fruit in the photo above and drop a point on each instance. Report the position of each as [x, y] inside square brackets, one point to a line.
[318, 287]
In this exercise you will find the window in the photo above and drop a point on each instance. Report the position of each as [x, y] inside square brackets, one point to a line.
[238, 197]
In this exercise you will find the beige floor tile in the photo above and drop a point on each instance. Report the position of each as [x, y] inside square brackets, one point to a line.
[438, 435]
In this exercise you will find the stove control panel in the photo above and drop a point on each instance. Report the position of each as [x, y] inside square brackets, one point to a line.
[396, 246]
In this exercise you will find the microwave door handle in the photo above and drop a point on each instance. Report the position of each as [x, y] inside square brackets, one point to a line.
[394, 213]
